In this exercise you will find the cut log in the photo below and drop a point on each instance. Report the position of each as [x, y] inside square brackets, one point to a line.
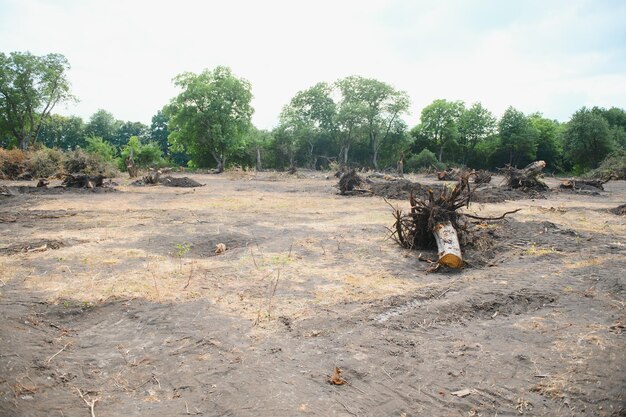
[448, 245]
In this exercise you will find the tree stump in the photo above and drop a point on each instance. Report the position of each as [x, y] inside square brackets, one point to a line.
[131, 167]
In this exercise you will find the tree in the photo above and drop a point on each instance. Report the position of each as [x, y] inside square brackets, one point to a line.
[439, 123]
[587, 139]
[30, 87]
[474, 126]
[309, 116]
[211, 115]
[257, 141]
[379, 105]
[548, 140]
[102, 124]
[158, 132]
[126, 130]
[518, 138]
[63, 132]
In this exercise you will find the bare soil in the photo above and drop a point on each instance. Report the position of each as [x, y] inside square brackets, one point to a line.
[119, 299]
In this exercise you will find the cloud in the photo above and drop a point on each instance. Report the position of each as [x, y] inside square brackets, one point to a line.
[552, 57]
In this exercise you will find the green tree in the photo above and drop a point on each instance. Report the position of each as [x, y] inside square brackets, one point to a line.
[309, 116]
[439, 124]
[126, 130]
[548, 140]
[158, 131]
[211, 115]
[379, 105]
[30, 87]
[587, 139]
[257, 143]
[518, 138]
[474, 126]
[144, 154]
[616, 118]
[102, 124]
[102, 148]
[63, 132]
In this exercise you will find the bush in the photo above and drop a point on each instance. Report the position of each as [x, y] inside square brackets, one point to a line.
[46, 162]
[98, 146]
[424, 159]
[83, 162]
[146, 155]
[12, 163]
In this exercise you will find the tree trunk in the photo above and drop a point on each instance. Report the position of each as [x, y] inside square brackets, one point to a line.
[441, 153]
[449, 249]
[258, 159]
[375, 159]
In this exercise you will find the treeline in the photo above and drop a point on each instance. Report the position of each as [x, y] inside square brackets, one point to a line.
[354, 121]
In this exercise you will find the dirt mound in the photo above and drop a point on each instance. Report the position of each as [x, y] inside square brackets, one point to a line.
[170, 181]
[619, 210]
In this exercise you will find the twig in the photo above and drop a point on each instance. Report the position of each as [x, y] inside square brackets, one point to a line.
[387, 373]
[253, 259]
[91, 404]
[62, 349]
[290, 248]
[269, 307]
[189, 278]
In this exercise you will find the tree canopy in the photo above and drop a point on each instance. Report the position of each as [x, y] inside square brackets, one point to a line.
[30, 87]
[211, 115]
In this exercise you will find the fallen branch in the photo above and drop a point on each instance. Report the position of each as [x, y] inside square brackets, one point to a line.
[91, 404]
[53, 356]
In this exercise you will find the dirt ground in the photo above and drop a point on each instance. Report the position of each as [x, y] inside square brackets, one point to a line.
[118, 300]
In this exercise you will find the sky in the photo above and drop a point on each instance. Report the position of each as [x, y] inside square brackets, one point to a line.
[550, 56]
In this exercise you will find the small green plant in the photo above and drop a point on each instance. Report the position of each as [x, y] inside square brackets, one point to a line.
[181, 250]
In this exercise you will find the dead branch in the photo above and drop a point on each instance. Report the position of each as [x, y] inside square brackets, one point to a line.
[91, 404]
[53, 356]
[491, 218]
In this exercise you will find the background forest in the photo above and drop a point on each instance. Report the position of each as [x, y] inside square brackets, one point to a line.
[353, 121]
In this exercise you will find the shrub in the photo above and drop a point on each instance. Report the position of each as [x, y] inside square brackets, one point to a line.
[146, 155]
[98, 146]
[424, 159]
[46, 162]
[12, 163]
[83, 162]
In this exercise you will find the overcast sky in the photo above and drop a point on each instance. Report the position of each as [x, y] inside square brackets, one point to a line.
[550, 56]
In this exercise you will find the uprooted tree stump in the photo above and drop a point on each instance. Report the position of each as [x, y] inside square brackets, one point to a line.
[349, 183]
[585, 185]
[482, 177]
[436, 222]
[449, 174]
[528, 178]
[152, 177]
[83, 181]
